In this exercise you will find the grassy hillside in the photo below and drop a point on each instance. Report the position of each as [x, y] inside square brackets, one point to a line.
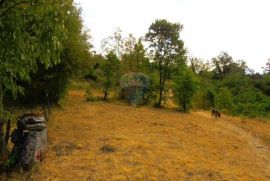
[111, 141]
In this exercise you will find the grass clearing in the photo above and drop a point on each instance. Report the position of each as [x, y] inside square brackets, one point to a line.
[112, 141]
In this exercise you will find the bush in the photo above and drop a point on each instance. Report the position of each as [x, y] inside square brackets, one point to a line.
[224, 99]
[89, 96]
[184, 88]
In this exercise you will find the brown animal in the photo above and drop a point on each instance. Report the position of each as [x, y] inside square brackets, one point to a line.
[216, 114]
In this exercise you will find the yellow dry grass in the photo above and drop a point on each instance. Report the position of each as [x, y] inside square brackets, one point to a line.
[150, 144]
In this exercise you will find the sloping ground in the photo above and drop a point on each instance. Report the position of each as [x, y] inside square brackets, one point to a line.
[111, 141]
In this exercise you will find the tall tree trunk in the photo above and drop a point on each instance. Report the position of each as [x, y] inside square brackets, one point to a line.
[116, 80]
[107, 86]
[2, 145]
[162, 80]
[2, 139]
[7, 132]
[160, 87]
[184, 106]
[1, 100]
[105, 95]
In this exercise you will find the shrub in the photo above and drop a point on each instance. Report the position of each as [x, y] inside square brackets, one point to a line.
[224, 99]
[184, 88]
[89, 96]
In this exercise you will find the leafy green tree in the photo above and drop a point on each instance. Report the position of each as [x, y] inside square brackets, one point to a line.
[261, 82]
[231, 86]
[210, 97]
[91, 69]
[53, 82]
[224, 65]
[141, 61]
[198, 66]
[128, 56]
[221, 65]
[224, 99]
[32, 33]
[184, 87]
[115, 44]
[167, 49]
[109, 70]
[134, 58]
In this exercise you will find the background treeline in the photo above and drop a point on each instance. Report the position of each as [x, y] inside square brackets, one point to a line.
[223, 83]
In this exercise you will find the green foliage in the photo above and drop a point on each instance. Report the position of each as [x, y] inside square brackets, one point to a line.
[224, 65]
[184, 88]
[88, 94]
[231, 86]
[134, 57]
[110, 68]
[168, 50]
[261, 82]
[115, 44]
[32, 34]
[203, 99]
[224, 99]
[54, 80]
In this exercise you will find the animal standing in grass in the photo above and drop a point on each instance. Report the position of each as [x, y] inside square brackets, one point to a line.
[216, 114]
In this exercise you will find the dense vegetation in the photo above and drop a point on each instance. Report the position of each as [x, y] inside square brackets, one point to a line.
[43, 46]
[222, 83]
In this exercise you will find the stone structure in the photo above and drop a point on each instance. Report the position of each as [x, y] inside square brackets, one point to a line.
[30, 140]
[134, 88]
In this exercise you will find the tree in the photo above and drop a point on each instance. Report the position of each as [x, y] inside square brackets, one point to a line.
[32, 33]
[109, 70]
[114, 44]
[133, 58]
[184, 88]
[221, 65]
[53, 82]
[224, 65]
[167, 48]
[267, 67]
[142, 62]
[224, 99]
[128, 57]
[198, 66]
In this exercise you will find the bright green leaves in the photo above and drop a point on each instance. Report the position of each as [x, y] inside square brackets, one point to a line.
[184, 87]
[32, 32]
[168, 50]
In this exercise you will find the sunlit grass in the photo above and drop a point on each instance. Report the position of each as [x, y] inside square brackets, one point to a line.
[112, 141]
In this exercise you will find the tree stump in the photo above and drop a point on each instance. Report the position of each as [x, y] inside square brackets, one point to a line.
[30, 141]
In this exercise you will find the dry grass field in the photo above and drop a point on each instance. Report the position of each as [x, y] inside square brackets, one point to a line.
[112, 141]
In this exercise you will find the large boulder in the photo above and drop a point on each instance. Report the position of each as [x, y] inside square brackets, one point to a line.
[135, 87]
